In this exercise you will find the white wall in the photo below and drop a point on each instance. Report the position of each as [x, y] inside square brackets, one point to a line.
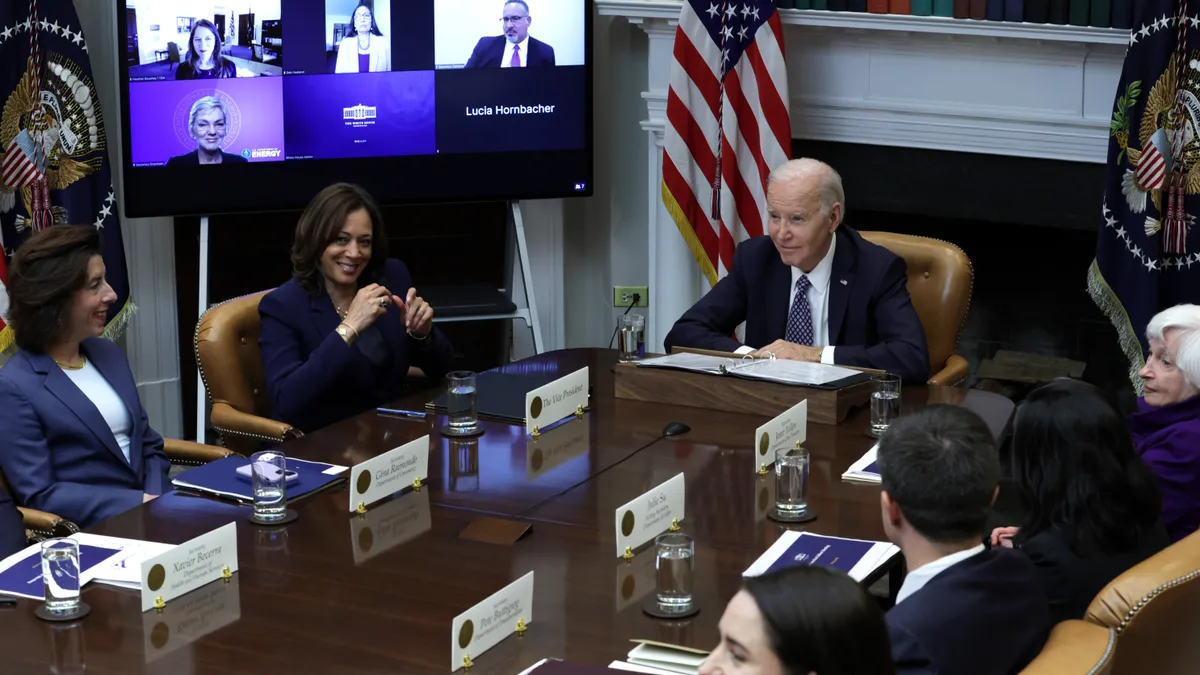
[152, 336]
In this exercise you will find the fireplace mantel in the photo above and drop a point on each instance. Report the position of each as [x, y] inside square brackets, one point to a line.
[1017, 89]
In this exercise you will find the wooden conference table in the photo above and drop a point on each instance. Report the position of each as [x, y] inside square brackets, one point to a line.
[336, 593]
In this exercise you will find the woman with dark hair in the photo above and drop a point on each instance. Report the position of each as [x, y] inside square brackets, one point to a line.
[339, 337]
[1091, 506]
[801, 621]
[364, 50]
[204, 60]
[77, 442]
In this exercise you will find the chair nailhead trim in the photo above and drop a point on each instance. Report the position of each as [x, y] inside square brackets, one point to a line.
[1152, 594]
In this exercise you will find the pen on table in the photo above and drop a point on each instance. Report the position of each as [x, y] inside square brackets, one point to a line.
[411, 414]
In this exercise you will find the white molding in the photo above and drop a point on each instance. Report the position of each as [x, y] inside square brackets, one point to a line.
[641, 10]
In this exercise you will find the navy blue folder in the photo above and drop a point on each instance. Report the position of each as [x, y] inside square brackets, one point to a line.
[220, 478]
[25, 576]
[811, 549]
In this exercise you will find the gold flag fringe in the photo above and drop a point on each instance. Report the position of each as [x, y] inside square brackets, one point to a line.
[1108, 302]
[689, 235]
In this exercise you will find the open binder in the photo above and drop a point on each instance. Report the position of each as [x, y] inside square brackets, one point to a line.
[782, 371]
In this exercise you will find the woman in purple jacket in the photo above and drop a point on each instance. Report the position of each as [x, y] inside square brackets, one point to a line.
[1166, 427]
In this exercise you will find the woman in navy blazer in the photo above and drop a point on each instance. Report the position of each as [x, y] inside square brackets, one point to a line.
[338, 338]
[77, 442]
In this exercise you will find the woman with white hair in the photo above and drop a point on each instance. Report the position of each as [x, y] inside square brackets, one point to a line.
[1166, 428]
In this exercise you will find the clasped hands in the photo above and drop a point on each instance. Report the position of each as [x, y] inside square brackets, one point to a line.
[782, 349]
[371, 302]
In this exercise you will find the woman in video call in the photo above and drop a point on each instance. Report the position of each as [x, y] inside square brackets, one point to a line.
[204, 60]
[339, 337]
[206, 124]
[365, 50]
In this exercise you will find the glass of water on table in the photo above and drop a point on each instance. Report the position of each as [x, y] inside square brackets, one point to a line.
[885, 402]
[463, 418]
[60, 575]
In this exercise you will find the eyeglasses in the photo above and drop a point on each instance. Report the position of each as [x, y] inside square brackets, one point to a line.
[512, 19]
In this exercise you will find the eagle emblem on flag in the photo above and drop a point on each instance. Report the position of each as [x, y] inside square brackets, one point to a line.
[54, 166]
[1147, 258]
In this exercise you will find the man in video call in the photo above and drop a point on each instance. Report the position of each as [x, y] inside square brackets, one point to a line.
[206, 124]
[514, 49]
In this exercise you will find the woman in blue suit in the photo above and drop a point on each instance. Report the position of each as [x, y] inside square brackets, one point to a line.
[339, 337]
[77, 442]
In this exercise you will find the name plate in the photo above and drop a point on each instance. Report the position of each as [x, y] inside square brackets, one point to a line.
[650, 515]
[782, 432]
[205, 611]
[389, 473]
[390, 525]
[483, 626]
[189, 566]
[563, 445]
[550, 403]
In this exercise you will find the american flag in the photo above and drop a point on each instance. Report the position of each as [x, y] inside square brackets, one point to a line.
[727, 125]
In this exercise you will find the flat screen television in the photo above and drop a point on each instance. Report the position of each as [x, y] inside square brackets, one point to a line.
[256, 106]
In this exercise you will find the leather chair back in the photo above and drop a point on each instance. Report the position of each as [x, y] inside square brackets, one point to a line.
[1155, 610]
[940, 280]
[229, 357]
[1075, 648]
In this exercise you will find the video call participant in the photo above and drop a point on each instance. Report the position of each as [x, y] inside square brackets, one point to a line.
[338, 338]
[798, 621]
[814, 289]
[204, 60]
[963, 609]
[77, 441]
[206, 124]
[362, 52]
[514, 49]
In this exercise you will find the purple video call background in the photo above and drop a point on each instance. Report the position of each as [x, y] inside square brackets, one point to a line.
[404, 107]
[158, 115]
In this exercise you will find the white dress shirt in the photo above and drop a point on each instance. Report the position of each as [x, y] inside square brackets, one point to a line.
[107, 401]
[818, 302]
[916, 579]
[522, 55]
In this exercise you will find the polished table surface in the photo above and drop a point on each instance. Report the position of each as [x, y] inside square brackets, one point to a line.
[337, 593]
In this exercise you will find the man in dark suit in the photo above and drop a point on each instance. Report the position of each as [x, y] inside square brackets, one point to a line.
[963, 609]
[811, 290]
[514, 49]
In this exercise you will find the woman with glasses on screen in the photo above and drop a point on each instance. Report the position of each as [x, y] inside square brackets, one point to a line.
[365, 50]
[204, 60]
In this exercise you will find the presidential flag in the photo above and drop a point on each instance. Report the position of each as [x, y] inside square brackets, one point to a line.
[727, 125]
[54, 164]
[1148, 247]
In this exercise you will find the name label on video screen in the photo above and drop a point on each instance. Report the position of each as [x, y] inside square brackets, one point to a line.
[510, 110]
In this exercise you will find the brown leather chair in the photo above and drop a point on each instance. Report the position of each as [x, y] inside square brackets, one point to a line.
[40, 525]
[940, 278]
[1075, 648]
[1155, 610]
[227, 351]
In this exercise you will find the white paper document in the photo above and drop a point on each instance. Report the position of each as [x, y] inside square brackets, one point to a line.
[797, 373]
[864, 470]
[124, 570]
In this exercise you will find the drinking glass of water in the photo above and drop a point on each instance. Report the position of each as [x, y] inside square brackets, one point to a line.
[460, 404]
[674, 563]
[631, 342]
[791, 483]
[268, 476]
[885, 402]
[60, 574]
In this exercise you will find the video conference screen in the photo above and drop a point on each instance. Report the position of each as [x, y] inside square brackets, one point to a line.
[256, 105]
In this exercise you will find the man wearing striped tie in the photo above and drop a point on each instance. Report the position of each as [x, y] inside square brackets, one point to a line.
[514, 49]
[812, 289]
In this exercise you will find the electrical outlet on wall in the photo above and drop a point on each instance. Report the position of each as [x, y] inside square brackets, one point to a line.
[623, 296]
